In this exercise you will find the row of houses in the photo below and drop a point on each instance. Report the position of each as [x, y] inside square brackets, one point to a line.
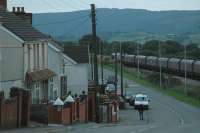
[35, 62]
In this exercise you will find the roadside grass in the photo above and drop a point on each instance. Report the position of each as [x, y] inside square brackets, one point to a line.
[174, 92]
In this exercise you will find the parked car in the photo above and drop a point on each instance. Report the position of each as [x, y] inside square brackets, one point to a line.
[111, 80]
[141, 99]
[132, 100]
[110, 88]
[128, 96]
[104, 82]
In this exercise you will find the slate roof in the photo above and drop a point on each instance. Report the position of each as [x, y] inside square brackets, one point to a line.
[77, 53]
[19, 27]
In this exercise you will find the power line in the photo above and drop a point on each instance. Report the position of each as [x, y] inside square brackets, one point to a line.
[80, 4]
[64, 21]
[51, 5]
[70, 5]
[75, 28]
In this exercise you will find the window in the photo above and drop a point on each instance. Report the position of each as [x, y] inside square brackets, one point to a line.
[51, 79]
[37, 96]
[51, 91]
[55, 93]
[63, 66]
[63, 83]
[37, 84]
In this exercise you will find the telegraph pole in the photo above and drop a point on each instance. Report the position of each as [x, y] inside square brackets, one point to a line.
[116, 67]
[185, 56]
[122, 81]
[138, 62]
[102, 63]
[160, 66]
[93, 16]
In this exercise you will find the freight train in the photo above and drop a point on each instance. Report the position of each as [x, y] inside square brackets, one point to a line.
[175, 66]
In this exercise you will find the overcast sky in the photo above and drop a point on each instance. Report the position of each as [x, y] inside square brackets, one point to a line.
[37, 6]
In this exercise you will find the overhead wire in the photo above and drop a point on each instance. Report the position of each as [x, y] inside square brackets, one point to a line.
[80, 4]
[71, 5]
[51, 5]
[75, 28]
[63, 21]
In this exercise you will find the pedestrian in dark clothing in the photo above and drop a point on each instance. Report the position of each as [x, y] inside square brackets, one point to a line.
[141, 110]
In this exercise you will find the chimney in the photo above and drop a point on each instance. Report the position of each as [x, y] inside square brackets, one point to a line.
[20, 12]
[3, 4]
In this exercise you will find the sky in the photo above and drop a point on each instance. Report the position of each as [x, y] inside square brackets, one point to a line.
[43, 6]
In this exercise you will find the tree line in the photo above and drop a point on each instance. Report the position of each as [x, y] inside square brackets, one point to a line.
[169, 48]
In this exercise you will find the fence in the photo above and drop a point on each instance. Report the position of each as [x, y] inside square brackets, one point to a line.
[15, 111]
[39, 113]
[70, 113]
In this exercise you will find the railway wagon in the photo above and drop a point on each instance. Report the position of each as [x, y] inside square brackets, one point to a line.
[152, 62]
[196, 69]
[129, 60]
[188, 64]
[164, 63]
[173, 64]
[142, 60]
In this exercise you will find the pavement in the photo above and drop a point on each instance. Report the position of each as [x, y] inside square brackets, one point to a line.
[166, 115]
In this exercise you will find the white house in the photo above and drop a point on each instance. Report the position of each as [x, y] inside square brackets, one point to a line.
[57, 84]
[24, 56]
[77, 71]
[71, 71]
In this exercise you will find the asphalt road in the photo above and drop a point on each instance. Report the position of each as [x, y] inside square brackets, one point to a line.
[166, 115]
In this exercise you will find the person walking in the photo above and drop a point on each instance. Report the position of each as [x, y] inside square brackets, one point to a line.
[141, 112]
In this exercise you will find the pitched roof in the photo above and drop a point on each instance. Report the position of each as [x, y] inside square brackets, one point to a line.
[20, 28]
[77, 53]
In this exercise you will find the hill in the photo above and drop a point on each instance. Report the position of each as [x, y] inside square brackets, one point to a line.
[123, 24]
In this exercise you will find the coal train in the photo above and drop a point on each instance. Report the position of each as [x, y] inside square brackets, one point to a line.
[175, 66]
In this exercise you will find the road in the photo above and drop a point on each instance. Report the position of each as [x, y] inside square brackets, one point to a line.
[166, 115]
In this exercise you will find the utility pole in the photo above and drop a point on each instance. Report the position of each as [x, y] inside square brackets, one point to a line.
[159, 45]
[122, 80]
[185, 56]
[116, 67]
[102, 63]
[138, 61]
[93, 15]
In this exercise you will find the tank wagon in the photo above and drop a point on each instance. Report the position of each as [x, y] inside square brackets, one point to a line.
[174, 66]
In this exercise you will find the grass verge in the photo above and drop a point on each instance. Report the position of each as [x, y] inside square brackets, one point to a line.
[170, 92]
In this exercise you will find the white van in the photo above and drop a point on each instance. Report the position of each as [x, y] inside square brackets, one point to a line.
[141, 99]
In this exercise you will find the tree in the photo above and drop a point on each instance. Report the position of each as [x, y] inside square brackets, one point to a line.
[88, 41]
[150, 48]
[172, 49]
[193, 51]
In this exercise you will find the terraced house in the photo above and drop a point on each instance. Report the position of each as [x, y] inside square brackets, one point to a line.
[24, 54]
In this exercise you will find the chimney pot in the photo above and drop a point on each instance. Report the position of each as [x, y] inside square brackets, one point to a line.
[14, 9]
[22, 9]
[18, 9]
